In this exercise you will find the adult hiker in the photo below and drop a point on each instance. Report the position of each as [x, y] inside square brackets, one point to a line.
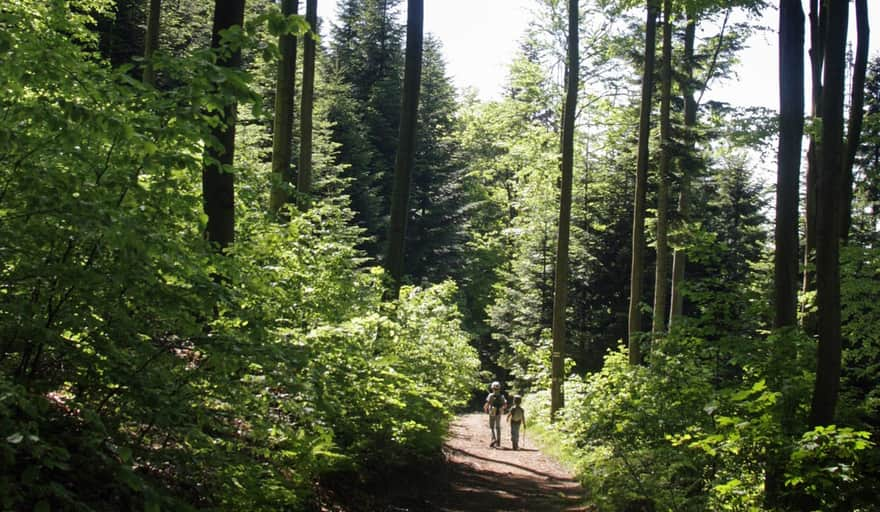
[517, 418]
[495, 406]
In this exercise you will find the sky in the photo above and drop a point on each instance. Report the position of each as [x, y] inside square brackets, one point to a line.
[481, 37]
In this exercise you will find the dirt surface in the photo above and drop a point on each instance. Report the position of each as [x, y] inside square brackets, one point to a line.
[470, 477]
[481, 478]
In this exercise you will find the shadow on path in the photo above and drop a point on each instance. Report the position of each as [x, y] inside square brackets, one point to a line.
[504, 463]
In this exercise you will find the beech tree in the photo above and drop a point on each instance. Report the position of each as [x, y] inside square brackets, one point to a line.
[151, 41]
[638, 229]
[791, 128]
[661, 286]
[282, 132]
[828, 184]
[304, 176]
[856, 116]
[218, 182]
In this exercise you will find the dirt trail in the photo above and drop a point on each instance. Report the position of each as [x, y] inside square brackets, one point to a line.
[484, 479]
[469, 477]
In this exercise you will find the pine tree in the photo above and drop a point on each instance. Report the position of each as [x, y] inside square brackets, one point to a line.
[438, 224]
[366, 56]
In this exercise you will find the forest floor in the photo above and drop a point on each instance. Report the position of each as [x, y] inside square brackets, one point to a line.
[472, 477]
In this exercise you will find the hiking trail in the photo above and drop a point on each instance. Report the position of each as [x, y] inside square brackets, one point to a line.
[472, 477]
[481, 478]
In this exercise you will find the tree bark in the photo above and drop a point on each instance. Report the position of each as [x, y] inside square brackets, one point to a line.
[679, 257]
[828, 186]
[282, 132]
[218, 184]
[791, 130]
[560, 290]
[151, 41]
[304, 178]
[856, 116]
[406, 150]
[638, 230]
[817, 56]
[661, 285]
[791, 103]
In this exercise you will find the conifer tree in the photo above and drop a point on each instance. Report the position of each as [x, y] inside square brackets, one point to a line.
[560, 295]
[437, 230]
[406, 151]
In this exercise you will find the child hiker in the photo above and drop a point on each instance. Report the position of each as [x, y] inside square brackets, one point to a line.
[516, 417]
[495, 406]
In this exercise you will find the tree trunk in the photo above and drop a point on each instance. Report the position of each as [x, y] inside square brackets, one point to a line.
[817, 56]
[791, 130]
[828, 185]
[218, 185]
[151, 41]
[638, 229]
[282, 132]
[406, 150]
[560, 292]
[679, 257]
[791, 103]
[856, 115]
[304, 178]
[661, 286]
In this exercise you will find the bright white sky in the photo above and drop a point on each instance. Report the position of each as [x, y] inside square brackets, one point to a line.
[481, 37]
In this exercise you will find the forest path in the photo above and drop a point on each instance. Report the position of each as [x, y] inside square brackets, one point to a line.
[484, 479]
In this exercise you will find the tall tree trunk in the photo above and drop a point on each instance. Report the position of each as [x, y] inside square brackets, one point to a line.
[828, 184]
[560, 290]
[679, 257]
[304, 178]
[791, 103]
[661, 286]
[791, 131]
[817, 56]
[218, 185]
[282, 132]
[412, 77]
[151, 41]
[856, 115]
[638, 229]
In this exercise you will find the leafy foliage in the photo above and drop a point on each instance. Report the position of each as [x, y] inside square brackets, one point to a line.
[124, 354]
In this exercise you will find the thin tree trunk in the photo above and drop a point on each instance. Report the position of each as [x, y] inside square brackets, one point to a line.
[679, 257]
[151, 41]
[218, 184]
[304, 178]
[638, 230]
[406, 150]
[791, 102]
[817, 56]
[282, 133]
[856, 115]
[661, 285]
[791, 130]
[828, 185]
[560, 292]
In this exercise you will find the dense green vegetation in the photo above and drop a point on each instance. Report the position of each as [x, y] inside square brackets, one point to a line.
[150, 360]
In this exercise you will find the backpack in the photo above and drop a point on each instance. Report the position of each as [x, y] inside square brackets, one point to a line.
[517, 414]
[495, 404]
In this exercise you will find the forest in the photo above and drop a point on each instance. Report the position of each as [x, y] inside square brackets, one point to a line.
[244, 251]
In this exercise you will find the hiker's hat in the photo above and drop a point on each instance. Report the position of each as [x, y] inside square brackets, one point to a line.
[496, 385]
